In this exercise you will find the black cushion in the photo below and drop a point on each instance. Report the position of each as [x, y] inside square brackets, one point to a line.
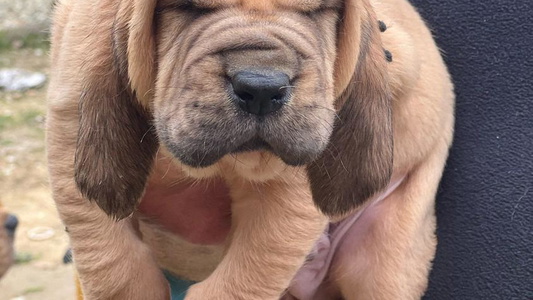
[484, 204]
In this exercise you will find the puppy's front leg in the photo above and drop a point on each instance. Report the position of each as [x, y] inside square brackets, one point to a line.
[275, 225]
[111, 260]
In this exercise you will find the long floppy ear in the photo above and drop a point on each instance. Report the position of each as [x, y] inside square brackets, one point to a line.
[116, 143]
[357, 162]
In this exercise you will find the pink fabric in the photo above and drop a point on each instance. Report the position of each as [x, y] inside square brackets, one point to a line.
[306, 283]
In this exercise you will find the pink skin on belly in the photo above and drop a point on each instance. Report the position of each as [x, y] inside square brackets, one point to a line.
[199, 212]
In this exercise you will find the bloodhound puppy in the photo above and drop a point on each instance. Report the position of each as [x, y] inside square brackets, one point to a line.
[262, 149]
[8, 225]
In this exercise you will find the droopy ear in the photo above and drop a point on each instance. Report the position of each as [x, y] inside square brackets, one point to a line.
[141, 48]
[116, 143]
[358, 160]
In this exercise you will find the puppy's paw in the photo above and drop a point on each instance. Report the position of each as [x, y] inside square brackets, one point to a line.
[158, 291]
[206, 291]
[211, 290]
[153, 287]
[136, 277]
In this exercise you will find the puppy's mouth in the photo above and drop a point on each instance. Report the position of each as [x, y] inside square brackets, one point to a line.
[201, 157]
[206, 152]
[294, 138]
[254, 144]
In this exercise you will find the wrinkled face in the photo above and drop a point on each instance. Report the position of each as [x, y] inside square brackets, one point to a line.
[236, 76]
[221, 79]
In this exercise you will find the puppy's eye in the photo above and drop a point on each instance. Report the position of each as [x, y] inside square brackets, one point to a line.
[324, 8]
[190, 6]
[185, 6]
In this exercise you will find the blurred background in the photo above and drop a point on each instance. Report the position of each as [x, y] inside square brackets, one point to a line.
[40, 241]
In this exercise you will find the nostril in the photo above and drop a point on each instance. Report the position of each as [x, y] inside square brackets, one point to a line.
[278, 97]
[244, 96]
[11, 223]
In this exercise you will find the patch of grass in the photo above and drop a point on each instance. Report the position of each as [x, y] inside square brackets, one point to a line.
[30, 117]
[5, 121]
[5, 142]
[31, 290]
[23, 258]
[5, 42]
[36, 40]
[23, 39]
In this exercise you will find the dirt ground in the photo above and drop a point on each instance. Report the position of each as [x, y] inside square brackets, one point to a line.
[39, 272]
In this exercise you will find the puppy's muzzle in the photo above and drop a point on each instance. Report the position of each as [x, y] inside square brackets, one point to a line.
[260, 92]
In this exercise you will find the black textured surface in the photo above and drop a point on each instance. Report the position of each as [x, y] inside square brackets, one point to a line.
[484, 206]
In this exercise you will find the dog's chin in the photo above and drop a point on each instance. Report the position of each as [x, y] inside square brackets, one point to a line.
[258, 144]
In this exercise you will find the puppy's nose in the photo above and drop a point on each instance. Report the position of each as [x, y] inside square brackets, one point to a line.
[11, 224]
[260, 93]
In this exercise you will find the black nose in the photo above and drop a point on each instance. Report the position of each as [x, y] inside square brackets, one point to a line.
[11, 224]
[260, 93]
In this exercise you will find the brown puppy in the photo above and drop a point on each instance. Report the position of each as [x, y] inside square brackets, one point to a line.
[8, 225]
[201, 136]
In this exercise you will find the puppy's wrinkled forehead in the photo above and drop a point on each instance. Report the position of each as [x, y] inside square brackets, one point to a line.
[301, 5]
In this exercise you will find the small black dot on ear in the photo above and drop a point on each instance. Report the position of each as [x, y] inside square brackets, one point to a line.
[388, 55]
[382, 26]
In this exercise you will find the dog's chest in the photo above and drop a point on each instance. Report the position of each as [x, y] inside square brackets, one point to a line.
[199, 212]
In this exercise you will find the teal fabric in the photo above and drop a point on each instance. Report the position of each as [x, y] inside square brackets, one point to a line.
[178, 287]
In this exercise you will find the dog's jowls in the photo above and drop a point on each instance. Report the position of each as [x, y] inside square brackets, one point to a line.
[214, 139]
